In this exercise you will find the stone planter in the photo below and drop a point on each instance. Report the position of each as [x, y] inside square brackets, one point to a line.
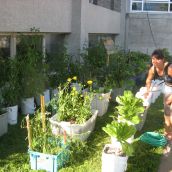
[112, 162]
[3, 124]
[101, 102]
[79, 131]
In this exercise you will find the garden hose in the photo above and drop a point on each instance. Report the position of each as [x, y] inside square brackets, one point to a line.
[154, 139]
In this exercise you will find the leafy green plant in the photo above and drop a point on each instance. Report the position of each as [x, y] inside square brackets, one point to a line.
[31, 67]
[95, 59]
[119, 70]
[121, 131]
[11, 89]
[71, 104]
[129, 107]
[57, 66]
[43, 141]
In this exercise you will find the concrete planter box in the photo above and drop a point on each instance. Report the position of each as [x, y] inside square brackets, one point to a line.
[79, 131]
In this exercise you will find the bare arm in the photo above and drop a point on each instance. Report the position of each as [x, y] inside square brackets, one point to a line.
[149, 80]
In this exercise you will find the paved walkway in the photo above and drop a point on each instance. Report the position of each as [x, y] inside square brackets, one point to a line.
[166, 163]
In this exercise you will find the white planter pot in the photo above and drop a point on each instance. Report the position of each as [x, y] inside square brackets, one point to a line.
[77, 86]
[79, 131]
[27, 106]
[101, 103]
[12, 113]
[3, 124]
[112, 162]
[54, 92]
[46, 95]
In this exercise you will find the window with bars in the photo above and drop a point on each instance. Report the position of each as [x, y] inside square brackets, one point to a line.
[151, 5]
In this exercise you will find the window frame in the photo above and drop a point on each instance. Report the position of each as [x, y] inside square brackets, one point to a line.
[142, 2]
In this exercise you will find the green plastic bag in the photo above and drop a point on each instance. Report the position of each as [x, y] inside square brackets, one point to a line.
[154, 139]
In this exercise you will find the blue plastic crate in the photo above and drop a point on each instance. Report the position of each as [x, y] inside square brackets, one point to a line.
[48, 162]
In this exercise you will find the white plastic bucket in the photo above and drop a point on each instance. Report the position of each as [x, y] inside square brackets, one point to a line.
[46, 95]
[3, 124]
[12, 113]
[112, 162]
[54, 92]
[27, 106]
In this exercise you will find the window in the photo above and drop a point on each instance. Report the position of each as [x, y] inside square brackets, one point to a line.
[4, 46]
[151, 5]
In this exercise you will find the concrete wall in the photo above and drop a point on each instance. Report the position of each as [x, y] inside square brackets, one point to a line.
[102, 20]
[49, 16]
[141, 27]
[88, 18]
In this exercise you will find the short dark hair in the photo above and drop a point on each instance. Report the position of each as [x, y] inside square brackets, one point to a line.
[158, 54]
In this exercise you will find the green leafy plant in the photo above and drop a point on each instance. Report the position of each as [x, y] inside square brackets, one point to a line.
[71, 104]
[31, 66]
[119, 70]
[43, 141]
[11, 89]
[129, 107]
[121, 131]
[57, 66]
[95, 59]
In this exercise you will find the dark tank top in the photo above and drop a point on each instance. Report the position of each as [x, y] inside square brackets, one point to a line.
[156, 76]
[167, 78]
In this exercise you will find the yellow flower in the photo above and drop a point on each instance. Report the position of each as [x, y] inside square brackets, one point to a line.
[74, 78]
[69, 79]
[89, 82]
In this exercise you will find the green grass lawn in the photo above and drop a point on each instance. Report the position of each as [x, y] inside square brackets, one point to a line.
[14, 156]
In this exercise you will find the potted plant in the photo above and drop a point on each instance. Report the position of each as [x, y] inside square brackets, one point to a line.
[119, 73]
[11, 91]
[115, 156]
[57, 70]
[32, 71]
[130, 108]
[74, 114]
[47, 152]
[101, 100]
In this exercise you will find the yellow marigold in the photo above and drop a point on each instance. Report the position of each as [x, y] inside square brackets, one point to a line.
[89, 82]
[74, 78]
[69, 79]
